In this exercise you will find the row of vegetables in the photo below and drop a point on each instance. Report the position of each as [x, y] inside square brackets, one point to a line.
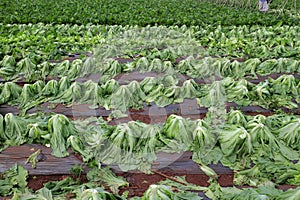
[271, 93]
[42, 42]
[287, 6]
[261, 150]
[135, 12]
[159, 62]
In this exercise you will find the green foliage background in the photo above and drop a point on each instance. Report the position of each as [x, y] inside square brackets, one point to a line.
[135, 12]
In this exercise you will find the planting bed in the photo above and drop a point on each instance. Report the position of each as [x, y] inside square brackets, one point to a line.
[50, 168]
[166, 166]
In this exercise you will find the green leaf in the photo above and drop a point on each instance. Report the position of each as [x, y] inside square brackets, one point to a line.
[105, 177]
[290, 133]
[15, 130]
[60, 128]
[78, 146]
[33, 158]
[177, 133]
[235, 142]
[13, 180]
[9, 91]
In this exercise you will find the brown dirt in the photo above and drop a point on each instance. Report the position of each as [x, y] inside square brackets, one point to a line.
[36, 182]
[138, 182]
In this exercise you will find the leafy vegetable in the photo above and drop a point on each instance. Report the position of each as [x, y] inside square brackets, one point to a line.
[15, 130]
[60, 128]
[290, 133]
[13, 180]
[9, 91]
[107, 178]
[235, 142]
[177, 133]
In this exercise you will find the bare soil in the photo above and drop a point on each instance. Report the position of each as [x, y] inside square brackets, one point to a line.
[138, 182]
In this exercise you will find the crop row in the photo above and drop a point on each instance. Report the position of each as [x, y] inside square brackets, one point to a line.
[251, 41]
[133, 12]
[62, 31]
[204, 68]
[44, 42]
[238, 141]
[279, 6]
[163, 91]
[161, 62]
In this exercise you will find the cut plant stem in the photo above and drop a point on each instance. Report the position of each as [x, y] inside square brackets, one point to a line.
[169, 177]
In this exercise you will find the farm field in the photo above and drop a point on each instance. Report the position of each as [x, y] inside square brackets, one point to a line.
[149, 100]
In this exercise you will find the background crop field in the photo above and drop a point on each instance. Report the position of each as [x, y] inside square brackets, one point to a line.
[136, 12]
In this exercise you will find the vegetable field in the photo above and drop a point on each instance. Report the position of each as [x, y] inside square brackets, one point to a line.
[149, 100]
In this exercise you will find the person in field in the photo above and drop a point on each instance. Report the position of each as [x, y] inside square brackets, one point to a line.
[263, 5]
